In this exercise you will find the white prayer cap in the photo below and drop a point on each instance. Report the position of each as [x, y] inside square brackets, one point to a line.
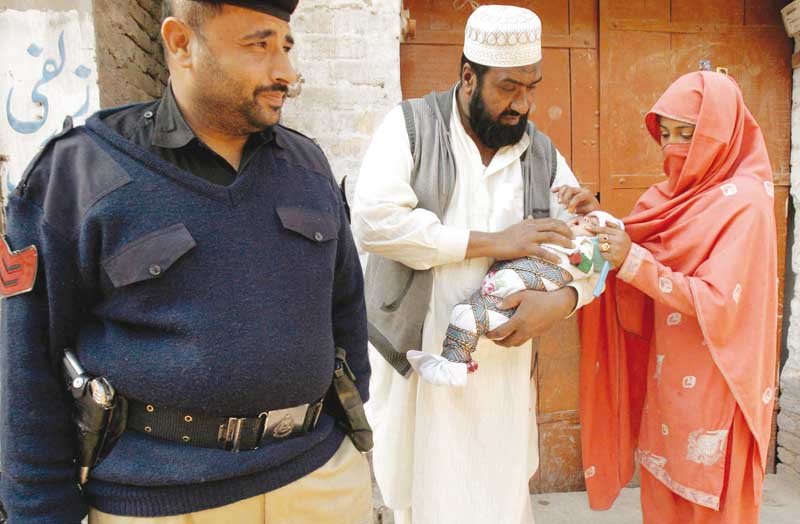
[503, 36]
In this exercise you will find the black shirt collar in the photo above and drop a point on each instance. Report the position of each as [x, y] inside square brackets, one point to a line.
[172, 132]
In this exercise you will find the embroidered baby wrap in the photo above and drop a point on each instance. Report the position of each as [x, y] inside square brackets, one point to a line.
[481, 313]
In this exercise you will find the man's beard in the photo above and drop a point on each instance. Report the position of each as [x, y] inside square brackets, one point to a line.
[253, 113]
[232, 112]
[492, 133]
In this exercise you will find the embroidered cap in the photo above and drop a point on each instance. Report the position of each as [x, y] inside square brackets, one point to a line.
[503, 36]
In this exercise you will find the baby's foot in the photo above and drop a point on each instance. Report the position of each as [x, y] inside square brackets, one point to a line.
[437, 370]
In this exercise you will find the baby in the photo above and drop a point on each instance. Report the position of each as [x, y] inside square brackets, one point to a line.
[481, 313]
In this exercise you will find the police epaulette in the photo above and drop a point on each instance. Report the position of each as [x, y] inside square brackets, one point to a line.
[296, 132]
[66, 128]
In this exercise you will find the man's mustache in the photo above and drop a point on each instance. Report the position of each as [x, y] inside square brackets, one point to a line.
[511, 112]
[268, 89]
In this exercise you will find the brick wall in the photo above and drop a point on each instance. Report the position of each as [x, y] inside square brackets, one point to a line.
[129, 57]
[789, 416]
[348, 52]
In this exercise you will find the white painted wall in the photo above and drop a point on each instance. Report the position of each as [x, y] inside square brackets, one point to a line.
[47, 72]
[348, 52]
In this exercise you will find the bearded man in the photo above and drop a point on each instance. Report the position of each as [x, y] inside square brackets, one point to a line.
[450, 183]
[196, 255]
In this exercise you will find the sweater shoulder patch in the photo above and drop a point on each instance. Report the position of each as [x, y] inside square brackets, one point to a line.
[299, 150]
[71, 174]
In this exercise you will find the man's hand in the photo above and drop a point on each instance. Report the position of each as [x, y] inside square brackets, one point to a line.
[537, 312]
[576, 200]
[520, 240]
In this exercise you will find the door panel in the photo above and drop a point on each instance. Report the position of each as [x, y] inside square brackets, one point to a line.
[552, 110]
[766, 12]
[585, 117]
[628, 162]
[718, 11]
[556, 364]
[425, 68]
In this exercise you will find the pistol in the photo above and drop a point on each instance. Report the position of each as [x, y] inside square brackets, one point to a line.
[75, 374]
[99, 415]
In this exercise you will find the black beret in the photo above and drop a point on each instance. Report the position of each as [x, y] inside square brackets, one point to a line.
[282, 9]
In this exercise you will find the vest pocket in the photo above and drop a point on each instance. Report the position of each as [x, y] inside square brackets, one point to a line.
[148, 257]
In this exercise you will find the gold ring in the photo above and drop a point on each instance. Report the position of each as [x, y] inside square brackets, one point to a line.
[604, 238]
[605, 247]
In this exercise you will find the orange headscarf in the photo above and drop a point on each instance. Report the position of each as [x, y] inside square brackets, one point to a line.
[720, 243]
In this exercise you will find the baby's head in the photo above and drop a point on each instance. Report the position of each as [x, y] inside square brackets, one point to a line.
[578, 225]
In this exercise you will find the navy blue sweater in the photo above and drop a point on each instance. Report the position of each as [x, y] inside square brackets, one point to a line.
[258, 282]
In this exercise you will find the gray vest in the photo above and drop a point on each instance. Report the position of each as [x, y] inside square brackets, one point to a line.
[398, 296]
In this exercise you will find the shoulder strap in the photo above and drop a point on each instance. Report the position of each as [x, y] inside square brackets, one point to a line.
[296, 132]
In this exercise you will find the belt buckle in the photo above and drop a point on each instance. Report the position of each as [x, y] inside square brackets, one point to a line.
[283, 423]
[312, 417]
[230, 434]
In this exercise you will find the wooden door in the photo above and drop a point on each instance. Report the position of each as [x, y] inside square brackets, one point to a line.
[646, 44]
[567, 109]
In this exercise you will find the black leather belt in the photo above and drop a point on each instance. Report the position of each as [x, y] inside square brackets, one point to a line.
[228, 433]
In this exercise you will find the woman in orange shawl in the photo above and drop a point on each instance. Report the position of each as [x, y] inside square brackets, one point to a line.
[678, 361]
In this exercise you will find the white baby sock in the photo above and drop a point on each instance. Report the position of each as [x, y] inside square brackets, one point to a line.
[437, 370]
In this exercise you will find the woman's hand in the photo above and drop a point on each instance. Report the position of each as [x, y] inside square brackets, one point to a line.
[576, 200]
[614, 243]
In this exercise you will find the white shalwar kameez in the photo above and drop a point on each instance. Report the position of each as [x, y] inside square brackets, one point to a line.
[450, 455]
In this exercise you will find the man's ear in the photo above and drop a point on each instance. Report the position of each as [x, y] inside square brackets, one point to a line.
[177, 38]
[469, 80]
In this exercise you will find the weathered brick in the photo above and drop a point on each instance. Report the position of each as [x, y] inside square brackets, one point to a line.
[787, 457]
[790, 441]
[129, 57]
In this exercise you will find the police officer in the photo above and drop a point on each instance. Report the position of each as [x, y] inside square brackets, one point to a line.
[196, 255]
